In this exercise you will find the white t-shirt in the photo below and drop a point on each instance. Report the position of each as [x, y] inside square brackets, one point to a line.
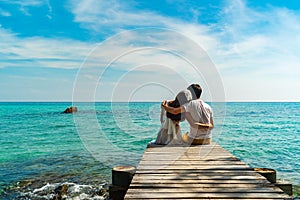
[200, 112]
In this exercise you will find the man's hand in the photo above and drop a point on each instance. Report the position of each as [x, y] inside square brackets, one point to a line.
[204, 126]
[172, 110]
[164, 104]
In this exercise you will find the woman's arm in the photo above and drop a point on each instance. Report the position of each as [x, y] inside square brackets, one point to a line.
[162, 115]
[212, 125]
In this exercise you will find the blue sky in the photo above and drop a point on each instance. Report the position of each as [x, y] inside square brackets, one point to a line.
[100, 50]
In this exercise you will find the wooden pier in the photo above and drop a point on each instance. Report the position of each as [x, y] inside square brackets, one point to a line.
[198, 172]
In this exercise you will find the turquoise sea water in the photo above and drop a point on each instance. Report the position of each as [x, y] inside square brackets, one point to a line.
[42, 148]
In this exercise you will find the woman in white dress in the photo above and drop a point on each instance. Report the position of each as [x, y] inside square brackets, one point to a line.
[170, 132]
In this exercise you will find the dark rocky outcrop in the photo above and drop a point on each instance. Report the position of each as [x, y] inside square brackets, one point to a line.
[71, 109]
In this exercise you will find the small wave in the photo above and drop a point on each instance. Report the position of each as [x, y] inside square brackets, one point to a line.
[66, 191]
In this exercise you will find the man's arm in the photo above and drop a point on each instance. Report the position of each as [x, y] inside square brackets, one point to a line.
[192, 122]
[172, 110]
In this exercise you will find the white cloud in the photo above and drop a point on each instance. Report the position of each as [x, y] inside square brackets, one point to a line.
[259, 39]
[259, 53]
[98, 14]
[26, 3]
[41, 52]
[4, 13]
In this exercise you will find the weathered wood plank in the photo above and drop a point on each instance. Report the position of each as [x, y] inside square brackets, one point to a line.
[207, 190]
[202, 185]
[192, 162]
[185, 148]
[178, 198]
[184, 171]
[198, 173]
[202, 154]
[210, 181]
[175, 195]
[203, 151]
[197, 177]
[187, 167]
[196, 158]
[192, 157]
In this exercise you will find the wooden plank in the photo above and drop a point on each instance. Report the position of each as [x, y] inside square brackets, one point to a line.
[192, 162]
[184, 148]
[197, 177]
[187, 167]
[189, 157]
[199, 173]
[178, 198]
[214, 145]
[207, 181]
[175, 195]
[186, 151]
[183, 171]
[207, 190]
[211, 153]
[202, 185]
[204, 173]
[203, 151]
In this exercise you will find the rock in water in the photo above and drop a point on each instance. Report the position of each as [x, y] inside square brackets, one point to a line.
[61, 191]
[71, 109]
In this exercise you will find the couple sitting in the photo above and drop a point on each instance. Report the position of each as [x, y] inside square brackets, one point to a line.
[187, 105]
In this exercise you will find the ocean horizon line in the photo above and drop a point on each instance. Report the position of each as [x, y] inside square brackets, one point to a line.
[252, 101]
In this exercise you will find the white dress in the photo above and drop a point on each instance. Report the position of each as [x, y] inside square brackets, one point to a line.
[170, 132]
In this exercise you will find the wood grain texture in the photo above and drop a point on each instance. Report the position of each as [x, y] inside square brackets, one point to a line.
[197, 172]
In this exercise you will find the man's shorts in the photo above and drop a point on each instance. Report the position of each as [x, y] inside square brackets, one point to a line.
[193, 141]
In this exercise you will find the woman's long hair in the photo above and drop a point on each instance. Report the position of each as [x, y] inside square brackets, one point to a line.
[181, 98]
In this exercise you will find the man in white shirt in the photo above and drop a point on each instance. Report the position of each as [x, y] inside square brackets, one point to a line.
[199, 115]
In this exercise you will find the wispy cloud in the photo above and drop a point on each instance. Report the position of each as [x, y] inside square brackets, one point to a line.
[25, 3]
[4, 13]
[258, 39]
[41, 52]
[31, 67]
[109, 17]
[24, 6]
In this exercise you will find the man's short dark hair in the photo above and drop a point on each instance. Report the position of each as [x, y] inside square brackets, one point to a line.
[196, 90]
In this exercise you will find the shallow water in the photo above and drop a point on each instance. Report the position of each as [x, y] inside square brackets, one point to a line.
[41, 148]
